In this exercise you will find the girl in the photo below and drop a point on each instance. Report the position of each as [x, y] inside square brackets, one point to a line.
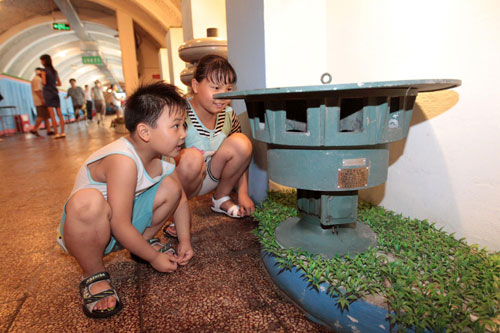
[217, 154]
[50, 81]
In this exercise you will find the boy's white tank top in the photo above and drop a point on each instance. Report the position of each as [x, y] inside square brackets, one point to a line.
[123, 147]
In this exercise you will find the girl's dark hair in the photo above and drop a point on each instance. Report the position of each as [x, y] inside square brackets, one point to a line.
[47, 61]
[146, 104]
[215, 69]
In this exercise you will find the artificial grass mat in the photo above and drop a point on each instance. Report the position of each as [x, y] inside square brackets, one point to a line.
[428, 279]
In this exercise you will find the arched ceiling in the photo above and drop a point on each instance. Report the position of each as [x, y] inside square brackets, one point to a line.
[26, 33]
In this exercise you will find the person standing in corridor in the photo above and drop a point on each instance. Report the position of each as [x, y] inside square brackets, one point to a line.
[50, 81]
[77, 97]
[88, 102]
[117, 101]
[42, 114]
[98, 98]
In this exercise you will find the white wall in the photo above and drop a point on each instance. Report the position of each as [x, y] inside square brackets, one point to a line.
[277, 42]
[295, 42]
[448, 172]
[198, 15]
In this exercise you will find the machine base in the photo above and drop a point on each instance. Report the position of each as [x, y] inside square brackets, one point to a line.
[306, 233]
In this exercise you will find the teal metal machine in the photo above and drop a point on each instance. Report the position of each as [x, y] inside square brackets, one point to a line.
[329, 142]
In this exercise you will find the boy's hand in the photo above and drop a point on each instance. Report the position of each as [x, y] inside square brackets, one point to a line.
[247, 207]
[164, 262]
[184, 253]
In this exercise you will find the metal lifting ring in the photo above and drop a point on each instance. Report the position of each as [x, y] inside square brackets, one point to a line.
[326, 78]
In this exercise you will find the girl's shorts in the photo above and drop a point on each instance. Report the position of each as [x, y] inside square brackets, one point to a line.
[142, 215]
[210, 183]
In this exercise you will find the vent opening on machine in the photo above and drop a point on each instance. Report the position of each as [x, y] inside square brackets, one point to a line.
[296, 115]
[351, 114]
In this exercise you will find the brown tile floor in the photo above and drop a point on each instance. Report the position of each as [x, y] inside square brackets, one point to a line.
[224, 288]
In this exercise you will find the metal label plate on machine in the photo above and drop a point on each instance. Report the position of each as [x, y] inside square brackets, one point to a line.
[353, 178]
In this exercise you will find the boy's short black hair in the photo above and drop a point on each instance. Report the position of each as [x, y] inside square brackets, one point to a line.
[146, 104]
[215, 69]
[70, 80]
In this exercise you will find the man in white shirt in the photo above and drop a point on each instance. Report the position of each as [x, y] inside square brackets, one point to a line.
[42, 113]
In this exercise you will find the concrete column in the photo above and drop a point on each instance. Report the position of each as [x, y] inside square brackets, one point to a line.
[176, 65]
[245, 26]
[127, 45]
[274, 43]
[164, 65]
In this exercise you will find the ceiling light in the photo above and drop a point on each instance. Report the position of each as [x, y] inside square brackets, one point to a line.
[61, 53]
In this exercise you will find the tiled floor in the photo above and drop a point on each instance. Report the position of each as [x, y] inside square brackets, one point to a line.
[224, 287]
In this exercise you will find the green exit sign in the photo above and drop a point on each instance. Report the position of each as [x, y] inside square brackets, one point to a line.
[61, 26]
[91, 60]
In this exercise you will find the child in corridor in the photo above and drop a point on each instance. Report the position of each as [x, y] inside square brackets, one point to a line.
[124, 193]
[217, 154]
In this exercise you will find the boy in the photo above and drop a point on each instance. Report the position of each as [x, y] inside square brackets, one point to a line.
[77, 96]
[124, 193]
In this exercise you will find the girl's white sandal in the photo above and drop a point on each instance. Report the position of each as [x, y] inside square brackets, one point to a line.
[233, 211]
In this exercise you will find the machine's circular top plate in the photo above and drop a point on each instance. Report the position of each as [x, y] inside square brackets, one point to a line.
[420, 85]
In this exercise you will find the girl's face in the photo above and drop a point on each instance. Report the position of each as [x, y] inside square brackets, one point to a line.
[204, 91]
[43, 62]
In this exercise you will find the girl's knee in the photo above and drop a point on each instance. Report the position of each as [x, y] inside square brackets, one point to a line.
[242, 144]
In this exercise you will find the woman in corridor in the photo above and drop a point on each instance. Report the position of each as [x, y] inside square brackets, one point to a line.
[50, 80]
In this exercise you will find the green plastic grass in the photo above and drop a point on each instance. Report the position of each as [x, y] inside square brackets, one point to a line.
[429, 279]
